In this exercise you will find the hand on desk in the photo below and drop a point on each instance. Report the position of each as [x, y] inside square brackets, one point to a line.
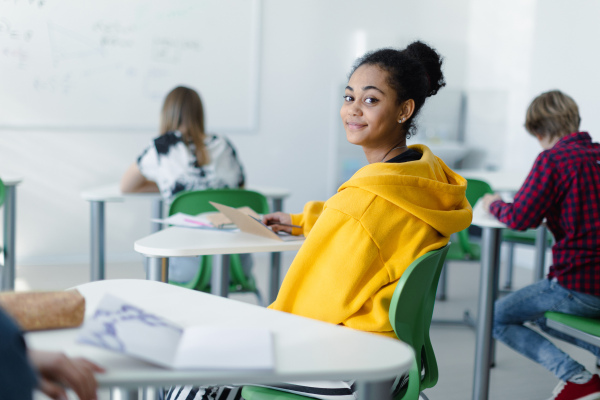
[275, 219]
[489, 199]
[58, 371]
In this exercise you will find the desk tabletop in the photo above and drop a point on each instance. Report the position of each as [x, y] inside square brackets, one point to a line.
[484, 219]
[305, 349]
[183, 242]
[112, 193]
[500, 181]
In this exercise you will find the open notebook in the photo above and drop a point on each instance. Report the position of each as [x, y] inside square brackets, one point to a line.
[250, 224]
[128, 329]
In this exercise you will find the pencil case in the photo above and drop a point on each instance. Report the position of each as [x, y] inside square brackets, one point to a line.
[34, 311]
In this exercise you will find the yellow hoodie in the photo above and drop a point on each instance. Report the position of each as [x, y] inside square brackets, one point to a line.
[362, 239]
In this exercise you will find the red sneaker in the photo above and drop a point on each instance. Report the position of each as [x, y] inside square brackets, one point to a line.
[573, 391]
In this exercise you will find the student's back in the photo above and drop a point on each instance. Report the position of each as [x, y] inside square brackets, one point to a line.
[184, 157]
[173, 165]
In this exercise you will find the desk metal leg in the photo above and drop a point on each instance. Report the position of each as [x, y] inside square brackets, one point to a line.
[98, 237]
[277, 204]
[541, 238]
[150, 393]
[157, 269]
[379, 390]
[7, 278]
[275, 277]
[118, 393]
[275, 273]
[219, 284]
[490, 260]
[157, 213]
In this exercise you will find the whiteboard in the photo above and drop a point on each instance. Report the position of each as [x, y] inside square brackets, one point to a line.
[84, 64]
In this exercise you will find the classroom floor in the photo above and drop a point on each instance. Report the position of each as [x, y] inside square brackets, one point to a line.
[514, 377]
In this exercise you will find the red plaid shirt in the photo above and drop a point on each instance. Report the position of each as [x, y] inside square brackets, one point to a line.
[564, 187]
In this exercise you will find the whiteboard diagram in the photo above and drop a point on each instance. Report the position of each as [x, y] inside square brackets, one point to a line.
[83, 64]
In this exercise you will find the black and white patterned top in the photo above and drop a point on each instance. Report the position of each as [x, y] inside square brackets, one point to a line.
[170, 163]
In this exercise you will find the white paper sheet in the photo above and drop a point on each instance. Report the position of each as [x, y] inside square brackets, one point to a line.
[128, 329]
[186, 220]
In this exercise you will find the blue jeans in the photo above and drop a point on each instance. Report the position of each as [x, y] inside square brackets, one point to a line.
[529, 305]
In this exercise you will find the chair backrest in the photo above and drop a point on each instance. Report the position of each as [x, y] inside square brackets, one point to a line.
[197, 201]
[410, 314]
[476, 189]
[2, 192]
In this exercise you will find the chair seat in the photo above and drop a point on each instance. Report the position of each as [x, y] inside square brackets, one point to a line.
[588, 325]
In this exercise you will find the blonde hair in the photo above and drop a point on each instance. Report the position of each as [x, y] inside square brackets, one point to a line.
[552, 114]
[182, 111]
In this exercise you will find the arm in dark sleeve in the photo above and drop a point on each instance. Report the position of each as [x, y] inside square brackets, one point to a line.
[17, 376]
[533, 200]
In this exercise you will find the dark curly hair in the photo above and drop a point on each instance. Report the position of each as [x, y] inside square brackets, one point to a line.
[414, 73]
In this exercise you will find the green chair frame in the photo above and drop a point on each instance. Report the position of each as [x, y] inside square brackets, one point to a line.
[511, 238]
[586, 329]
[462, 248]
[410, 314]
[196, 202]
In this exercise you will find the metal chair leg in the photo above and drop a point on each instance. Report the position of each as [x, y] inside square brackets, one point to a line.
[509, 266]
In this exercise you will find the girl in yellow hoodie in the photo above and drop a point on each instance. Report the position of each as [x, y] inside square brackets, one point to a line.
[404, 203]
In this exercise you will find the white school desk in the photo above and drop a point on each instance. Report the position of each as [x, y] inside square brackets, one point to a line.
[500, 181]
[185, 242]
[111, 193]
[305, 349]
[511, 182]
[7, 277]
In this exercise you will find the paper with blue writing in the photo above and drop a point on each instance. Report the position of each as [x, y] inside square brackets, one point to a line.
[128, 329]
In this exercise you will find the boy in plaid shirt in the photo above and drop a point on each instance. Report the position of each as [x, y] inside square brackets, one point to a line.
[563, 187]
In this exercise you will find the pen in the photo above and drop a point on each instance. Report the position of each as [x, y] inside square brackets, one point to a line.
[282, 224]
[191, 221]
[278, 223]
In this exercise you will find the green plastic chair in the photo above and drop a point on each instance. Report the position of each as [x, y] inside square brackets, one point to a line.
[462, 248]
[196, 202]
[586, 329]
[512, 238]
[411, 309]
[2, 193]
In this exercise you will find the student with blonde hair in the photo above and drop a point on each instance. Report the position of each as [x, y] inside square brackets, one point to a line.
[563, 187]
[185, 158]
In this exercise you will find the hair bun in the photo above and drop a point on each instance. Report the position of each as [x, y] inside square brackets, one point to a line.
[431, 61]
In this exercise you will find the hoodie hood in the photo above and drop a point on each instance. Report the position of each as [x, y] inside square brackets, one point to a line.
[427, 189]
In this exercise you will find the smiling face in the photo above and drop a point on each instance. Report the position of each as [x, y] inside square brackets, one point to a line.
[370, 112]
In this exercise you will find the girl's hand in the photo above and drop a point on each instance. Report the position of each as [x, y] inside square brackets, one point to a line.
[275, 219]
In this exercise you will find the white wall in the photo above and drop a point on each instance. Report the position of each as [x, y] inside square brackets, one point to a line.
[307, 49]
[517, 50]
[502, 54]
